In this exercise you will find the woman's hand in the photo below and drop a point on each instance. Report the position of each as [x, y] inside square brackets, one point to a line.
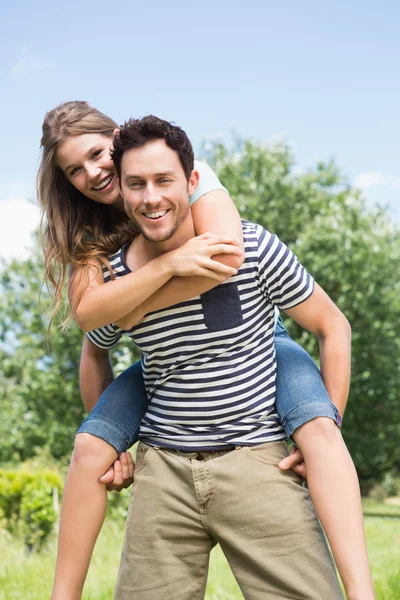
[194, 258]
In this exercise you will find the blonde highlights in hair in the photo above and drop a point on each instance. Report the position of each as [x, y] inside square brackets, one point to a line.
[74, 229]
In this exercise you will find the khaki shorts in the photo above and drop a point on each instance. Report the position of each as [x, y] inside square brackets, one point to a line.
[183, 504]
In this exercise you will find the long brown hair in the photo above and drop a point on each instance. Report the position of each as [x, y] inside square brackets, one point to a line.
[74, 229]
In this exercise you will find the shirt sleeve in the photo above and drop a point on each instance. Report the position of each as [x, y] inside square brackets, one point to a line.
[208, 181]
[284, 281]
[105, 337]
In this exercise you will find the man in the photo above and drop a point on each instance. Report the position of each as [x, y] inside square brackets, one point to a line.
[210, 440]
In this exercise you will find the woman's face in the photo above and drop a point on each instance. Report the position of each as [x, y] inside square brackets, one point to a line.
[85, 160]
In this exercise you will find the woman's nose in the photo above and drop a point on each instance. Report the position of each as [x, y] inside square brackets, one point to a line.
[92, 172]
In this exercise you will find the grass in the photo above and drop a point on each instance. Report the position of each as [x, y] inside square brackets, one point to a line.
[382, 526]
[29, 577]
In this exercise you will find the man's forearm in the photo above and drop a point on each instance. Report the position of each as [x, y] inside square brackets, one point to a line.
[335, 353]
[95, 373]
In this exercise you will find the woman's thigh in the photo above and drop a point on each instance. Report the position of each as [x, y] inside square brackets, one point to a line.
[118, 412]
[300, 392]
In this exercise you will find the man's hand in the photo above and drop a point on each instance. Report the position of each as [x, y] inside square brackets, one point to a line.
[120, 474]
[294, 461]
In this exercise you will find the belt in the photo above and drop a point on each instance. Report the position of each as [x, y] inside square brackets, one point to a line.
[201, 455]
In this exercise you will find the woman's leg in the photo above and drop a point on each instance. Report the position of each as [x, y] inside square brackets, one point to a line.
[309, 416]
[83, 509]
[112, 427]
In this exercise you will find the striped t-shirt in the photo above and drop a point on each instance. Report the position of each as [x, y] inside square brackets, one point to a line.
[209, 363]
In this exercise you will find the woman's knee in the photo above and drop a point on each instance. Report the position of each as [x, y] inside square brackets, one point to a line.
[93, 452]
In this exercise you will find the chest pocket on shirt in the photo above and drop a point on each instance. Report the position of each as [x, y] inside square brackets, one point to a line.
[221, 307]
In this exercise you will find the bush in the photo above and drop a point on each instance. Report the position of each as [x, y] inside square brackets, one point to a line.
[390, 484]
[118, 504]
[37, 514]
[27, 501]
[377, 493]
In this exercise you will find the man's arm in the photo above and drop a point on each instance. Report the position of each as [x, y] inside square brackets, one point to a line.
[321, 316]
[95, 373]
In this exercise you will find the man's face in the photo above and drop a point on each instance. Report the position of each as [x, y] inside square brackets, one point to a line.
[155, 190]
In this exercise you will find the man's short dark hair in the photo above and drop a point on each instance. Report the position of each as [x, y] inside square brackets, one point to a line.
[136, 133]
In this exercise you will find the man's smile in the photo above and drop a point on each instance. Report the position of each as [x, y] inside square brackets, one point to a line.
[155, 215]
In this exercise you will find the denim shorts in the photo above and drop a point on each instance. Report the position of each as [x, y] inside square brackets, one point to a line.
[300, 392]
[300, 397]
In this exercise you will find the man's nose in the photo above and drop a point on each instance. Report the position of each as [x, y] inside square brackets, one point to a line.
[151, 195]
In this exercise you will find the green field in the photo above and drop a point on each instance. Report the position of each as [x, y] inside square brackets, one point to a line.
[25, 577]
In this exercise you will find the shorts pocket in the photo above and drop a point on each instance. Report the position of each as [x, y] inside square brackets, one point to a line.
[221, 307]
[263, 456]
[270, 453]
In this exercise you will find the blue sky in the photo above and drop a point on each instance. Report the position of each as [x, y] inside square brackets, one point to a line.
[322, 75]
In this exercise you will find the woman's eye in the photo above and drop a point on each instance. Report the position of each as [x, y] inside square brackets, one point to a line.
[97, 153]
[74, 171]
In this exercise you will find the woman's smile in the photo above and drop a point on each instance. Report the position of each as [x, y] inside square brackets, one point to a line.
[104, 184]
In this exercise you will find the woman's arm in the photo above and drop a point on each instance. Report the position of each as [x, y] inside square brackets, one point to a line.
[212, 210]
[103, 304]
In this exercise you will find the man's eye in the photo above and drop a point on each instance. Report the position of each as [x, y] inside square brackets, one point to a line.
[135, 184]
[164, 180]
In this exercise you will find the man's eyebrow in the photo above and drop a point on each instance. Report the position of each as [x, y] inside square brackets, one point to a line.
[160, 174]
[90, 151]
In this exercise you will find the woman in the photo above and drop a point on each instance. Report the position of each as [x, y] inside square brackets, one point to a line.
[75, 170]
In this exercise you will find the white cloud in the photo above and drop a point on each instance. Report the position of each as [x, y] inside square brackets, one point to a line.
[380, 188]
[16, 189]
[19, 218]
[366, 181]
[27, 63]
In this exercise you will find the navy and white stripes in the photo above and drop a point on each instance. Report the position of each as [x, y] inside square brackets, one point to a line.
[209, 363]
